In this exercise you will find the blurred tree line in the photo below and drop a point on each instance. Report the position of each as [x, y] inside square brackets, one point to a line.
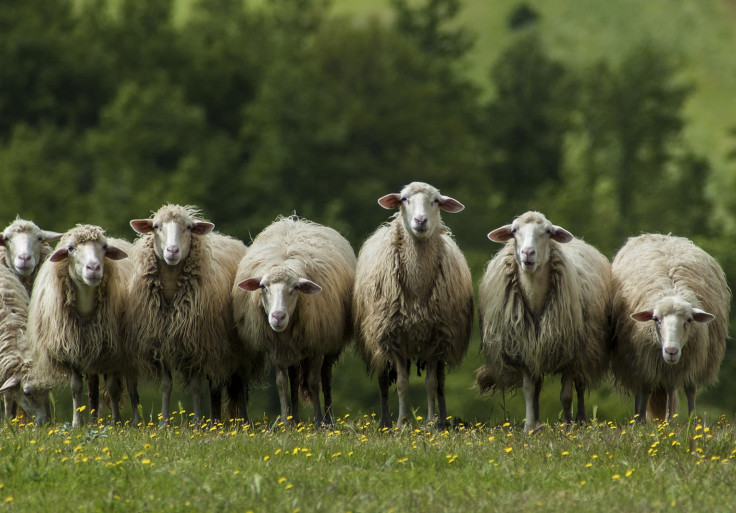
[110, 109]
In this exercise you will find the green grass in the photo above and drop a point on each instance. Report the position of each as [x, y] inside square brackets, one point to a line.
[687, 466]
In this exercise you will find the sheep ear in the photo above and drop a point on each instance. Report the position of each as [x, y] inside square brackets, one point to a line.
[2, 240]
[559, 234]
[308, 287]
[644, 316]
[503, 234]
[390, 201]
[142, 225]
[451, 205]
[702, 316]
[10, 383]
[47, 236]
[59, 255]
[114, 253]
[202, 228]
[251, 284]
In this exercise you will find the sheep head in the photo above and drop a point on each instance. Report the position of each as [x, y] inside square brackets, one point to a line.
[419, 205]
[279, 296]
[86, 247]
[531, 233]
[33, 399]
[673, 318]
[172, 228]
[23, 241]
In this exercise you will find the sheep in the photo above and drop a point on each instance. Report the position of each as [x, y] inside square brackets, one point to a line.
[671, 305]
[413, 298]
[15, 354]
[304, 331]
[179, 309]
[544, 307]
[23, 246]
[75, 315]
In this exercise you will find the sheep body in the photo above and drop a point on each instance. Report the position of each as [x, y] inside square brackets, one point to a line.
[413, 297]
[181, 315]
[667, 275]
[15, 353]
[560, 324]
[296, 252]
[67, 341]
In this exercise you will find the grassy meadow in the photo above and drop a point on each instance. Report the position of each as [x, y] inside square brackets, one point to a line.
[355, 466]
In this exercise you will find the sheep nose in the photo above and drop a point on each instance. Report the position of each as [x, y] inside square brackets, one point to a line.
[93, 266]
[172, 250]
[278, 316]
[672, 351]
[528, 252]
[24, 257]
[420, 220]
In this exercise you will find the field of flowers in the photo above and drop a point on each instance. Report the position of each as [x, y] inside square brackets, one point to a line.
[356, 466]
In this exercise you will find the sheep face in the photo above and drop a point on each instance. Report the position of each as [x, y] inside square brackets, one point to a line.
[279, 295]
[23, 240]
[172, 228]
[419, 205]
[531, 233]
[34, 400]
[85, 248]
[673, 318]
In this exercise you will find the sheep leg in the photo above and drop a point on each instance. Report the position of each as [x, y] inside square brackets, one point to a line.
[441, 402]
[673, 404]
[430, 383]
[135, 400]
[314, 372]
[581, 416]
[690, 394]
[215, 402]
[640, 404]
[114, 391]
[531, 388]
[566, 397]
[326, 375]
[93, 392]
[76, 386]
[384, 384]
[195, 389]
[237, 398]
[282, 386]
[166, 386]
[402, 389]
[294, 383]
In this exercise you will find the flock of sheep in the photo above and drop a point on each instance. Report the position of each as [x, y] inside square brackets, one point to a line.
[186, 301]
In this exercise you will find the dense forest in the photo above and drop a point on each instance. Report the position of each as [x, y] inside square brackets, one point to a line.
[252, 110]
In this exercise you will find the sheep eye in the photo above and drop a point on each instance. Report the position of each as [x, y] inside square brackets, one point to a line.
[104, 247]
[70, 248]
[155, 226]
[403, 198]
[656, 319]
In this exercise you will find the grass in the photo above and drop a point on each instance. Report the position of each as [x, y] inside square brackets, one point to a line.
[357, 467]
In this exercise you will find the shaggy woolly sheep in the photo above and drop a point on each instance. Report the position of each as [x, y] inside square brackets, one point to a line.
[413, 298]
[15, 355]
[75, 316]
[544, 306]
[670, 316]
[305, 330]
[23, 246]
[179, 307]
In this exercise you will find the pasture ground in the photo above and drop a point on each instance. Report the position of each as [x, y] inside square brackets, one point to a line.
[356, 466]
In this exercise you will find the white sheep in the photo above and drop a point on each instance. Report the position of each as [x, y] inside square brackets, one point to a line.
[179, 307]
[23, 246]
[671, 305]
[413, 298]
[75, 316]
[544, 305]
[15, 354]
[299, 276]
